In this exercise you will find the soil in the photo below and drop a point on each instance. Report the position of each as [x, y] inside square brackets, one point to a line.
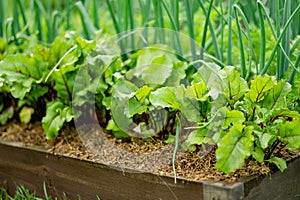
[155, 156]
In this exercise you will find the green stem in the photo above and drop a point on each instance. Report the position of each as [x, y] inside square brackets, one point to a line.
[22, 10]
[285, 41]
[266, 67]
[15, 16]
[87, 25]
[229, 52]
[95, 13]
[1, 18]
[262, 38]
[292, 76]
[241, 44]
[131, 20]
[190, 22]
[38, 20]
[174, 26]
[205, 31]
[178, 130]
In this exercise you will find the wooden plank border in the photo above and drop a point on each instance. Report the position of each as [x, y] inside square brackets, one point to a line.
[32, 167]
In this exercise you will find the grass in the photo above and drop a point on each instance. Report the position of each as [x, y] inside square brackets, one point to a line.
[23, 193]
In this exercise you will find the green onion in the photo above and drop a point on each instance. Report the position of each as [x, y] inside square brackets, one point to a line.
[268, 63]
[205, 31]
[241, 44]
[1, 18]
[262, 37]
[229, 52]
[88, 27]
[191, 27]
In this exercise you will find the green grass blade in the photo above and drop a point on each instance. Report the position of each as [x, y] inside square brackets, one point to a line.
[285, 40]
[159, 20]
[229, 52]
[1, 18]
[69, 6]
[117, 28]
[57, 15]
[241, 44]
[88, 27]
[22, 10]
[251, 53]
[131, 21]
[177, 135]
[174, 4]
[16, 23]
[281, 54]
[292, 76]
[262, 37]
[145, 8]
[277, 21]
[95, 14]
[191, 27]
[205, 31]
[288, 22]
[174, 26]
[213, 33]
[113, 16]
[295, 24]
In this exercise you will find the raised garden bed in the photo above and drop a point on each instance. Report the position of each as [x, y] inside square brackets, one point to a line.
[32, 166]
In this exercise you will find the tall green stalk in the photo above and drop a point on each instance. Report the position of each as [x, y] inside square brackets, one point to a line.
[131, 21]
[285, 40]
[16, 23]
[38, 19]
[213, 33]
[159, 20]
[262, 37]
[277, 21]
[174, 27]
[24, 18]
[88, 27]
[241, 44]
[1, 18]
[229, 52]
[205, 31]
[191, 27]
[117, 28]
[145, 8]
[95, 13]
[288, 22]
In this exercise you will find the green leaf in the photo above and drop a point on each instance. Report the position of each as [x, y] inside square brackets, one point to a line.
[20, 73]
[154, 66]
[290, 133]
[6, 114]
[234, 148]
[25, 114]
[57, 114]
[233, 117]
[197, 91]
[258, 154]
[136, 107]
[124, 89]
[236, 85]
[259, 88]
[276, 96]
[64, 84]
[118, 133]
[279, 162]
[164, 97]
[198, 137]
[142, 93]
[177, 74]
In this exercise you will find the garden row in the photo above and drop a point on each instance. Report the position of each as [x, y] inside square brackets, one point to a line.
[231, 82]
